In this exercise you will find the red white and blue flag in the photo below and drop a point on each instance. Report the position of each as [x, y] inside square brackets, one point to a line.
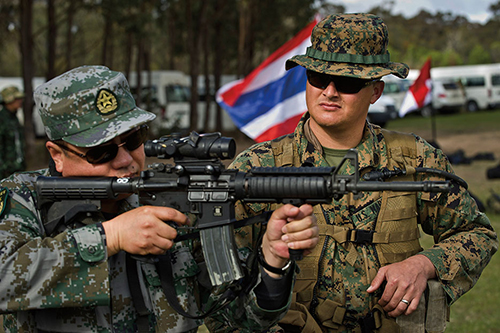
[270, 101]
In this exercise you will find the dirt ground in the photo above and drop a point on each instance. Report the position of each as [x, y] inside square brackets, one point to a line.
[475, 172]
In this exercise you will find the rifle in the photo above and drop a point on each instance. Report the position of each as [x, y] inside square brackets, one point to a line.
[198, 183]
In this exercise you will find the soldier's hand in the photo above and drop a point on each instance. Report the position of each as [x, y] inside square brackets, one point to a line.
[143, 230]
[405, 283]
[289, 227]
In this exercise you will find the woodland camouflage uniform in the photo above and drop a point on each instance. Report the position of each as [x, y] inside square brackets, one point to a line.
[12, 157]
[361, 233]
[64, 282]
[464, 237]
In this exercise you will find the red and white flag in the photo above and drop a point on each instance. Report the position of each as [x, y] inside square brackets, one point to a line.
[419, 94]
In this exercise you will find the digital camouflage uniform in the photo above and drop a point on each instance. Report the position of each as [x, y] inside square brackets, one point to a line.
[363, 232]
[64, 282]
[12, 144]
[465, 240]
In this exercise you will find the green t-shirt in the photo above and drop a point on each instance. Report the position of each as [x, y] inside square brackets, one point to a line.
[334, 156]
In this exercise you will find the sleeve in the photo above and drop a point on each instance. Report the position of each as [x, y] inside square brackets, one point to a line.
[464, 238]
[68, 270]
[246, 313]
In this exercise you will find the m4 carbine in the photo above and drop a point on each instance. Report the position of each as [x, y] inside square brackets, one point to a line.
[198, 183]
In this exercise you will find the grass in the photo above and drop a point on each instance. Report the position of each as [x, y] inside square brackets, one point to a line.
[477, 310]
[449, 124]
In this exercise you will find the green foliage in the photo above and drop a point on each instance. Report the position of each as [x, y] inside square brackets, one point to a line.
[479, 55]
[448, 38]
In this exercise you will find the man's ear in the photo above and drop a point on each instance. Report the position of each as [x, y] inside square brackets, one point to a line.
[378, 89]
[57, 155]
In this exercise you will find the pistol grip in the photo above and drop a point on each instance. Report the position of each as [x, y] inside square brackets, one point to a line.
[296, 255]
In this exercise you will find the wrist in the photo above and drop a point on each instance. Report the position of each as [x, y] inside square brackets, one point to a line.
[428, 266]
[272, 269]
[111, 247]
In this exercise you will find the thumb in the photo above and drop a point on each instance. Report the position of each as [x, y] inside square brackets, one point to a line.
[376, 282]
[284, 212]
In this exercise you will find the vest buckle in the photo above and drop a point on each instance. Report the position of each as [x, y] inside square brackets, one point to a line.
[360, 236]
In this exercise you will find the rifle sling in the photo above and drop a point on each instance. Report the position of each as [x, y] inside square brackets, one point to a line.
[137, 297]
[164, 269]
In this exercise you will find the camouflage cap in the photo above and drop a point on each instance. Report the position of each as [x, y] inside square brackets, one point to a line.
[353, 45]
[88, 105]
[10, 94]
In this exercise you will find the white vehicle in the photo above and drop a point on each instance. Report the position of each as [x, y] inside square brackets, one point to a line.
[382, 111]
[448, 94]
[481, 83]
[168, 95]
[396, 88]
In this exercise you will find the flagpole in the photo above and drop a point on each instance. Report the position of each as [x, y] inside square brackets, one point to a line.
[433, 126]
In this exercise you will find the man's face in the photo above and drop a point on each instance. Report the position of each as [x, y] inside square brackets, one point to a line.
[15, 105]
[125, 164]
[333, 110]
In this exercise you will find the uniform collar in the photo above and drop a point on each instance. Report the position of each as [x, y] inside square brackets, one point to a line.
[311, 152]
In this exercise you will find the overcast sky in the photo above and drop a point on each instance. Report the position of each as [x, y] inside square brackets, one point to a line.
[474, 10]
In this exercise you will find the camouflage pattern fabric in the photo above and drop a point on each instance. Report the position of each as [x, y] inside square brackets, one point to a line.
[66, 283]
[353, 45]
[88, 105]
[12, 144]
[10, 94]
[465, 240]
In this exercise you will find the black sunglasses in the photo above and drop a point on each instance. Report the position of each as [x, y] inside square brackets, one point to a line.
[106, 153]
[343, 84]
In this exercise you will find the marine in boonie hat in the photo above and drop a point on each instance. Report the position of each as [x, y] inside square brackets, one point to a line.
[10, 94]
[88, 106]
[353, 45]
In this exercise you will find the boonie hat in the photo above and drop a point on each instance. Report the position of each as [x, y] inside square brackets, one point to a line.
[10, 94]
[353, 45]
[88, 105]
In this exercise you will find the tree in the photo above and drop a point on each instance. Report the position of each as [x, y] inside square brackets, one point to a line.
[194, 38]
[494, 8]
[51, 40]
[27, 69]
[479, 55]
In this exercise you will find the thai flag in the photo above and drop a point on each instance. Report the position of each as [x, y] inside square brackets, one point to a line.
[270, 101]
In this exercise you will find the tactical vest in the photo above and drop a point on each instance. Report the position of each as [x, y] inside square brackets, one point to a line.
[396, 237]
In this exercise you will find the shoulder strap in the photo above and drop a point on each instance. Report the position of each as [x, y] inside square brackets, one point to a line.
[283, 151]
[401, 146]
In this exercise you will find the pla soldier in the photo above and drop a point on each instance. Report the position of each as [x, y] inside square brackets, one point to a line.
[12, 157]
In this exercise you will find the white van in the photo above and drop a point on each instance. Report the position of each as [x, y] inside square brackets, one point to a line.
[396, 88]
[481, 83]
[382, 111]
[447, 93]
[169, 95]
[166, 93]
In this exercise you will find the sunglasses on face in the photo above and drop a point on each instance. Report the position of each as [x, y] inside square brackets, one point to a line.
[343, 84]
[106, 153]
